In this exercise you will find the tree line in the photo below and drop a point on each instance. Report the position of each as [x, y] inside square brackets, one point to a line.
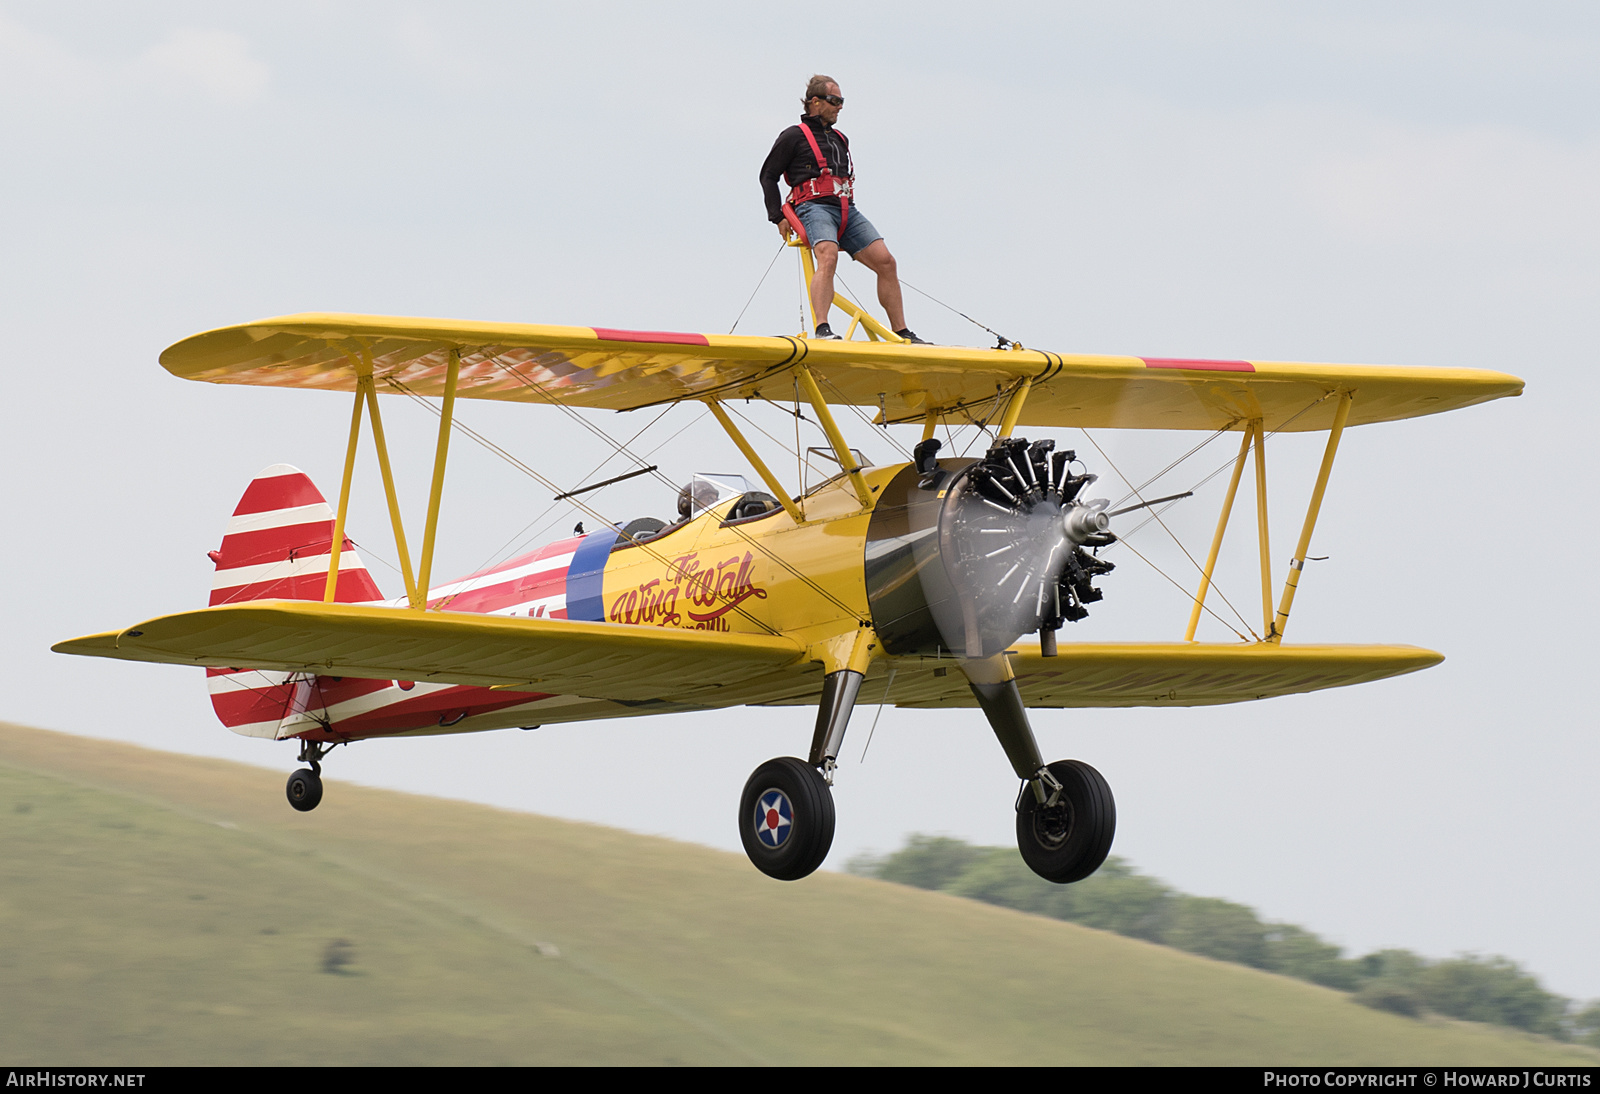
[1119, 898]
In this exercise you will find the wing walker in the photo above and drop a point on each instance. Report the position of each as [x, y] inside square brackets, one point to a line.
[912, 584]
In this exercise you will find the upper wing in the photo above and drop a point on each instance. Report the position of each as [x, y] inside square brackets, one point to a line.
[624, 370]
[566, 657]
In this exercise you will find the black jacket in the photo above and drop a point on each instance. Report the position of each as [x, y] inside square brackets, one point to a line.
[791, 158]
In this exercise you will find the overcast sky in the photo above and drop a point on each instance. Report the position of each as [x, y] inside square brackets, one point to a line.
[1396, 183]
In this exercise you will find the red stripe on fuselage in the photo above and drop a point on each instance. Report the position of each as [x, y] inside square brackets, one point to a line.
[514, 589]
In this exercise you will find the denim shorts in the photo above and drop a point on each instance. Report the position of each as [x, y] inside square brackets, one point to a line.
[822, 226]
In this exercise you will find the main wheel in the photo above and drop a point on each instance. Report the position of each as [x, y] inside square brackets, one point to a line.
[786, 818]
[1069, 840]
[304, 789]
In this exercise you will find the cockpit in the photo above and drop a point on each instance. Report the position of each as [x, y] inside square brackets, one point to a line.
[703, 493]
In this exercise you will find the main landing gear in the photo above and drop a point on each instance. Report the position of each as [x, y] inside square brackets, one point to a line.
[1066, 816]
[305, 786]
[786, 811]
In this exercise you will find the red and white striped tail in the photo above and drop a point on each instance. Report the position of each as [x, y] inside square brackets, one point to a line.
[277, 547]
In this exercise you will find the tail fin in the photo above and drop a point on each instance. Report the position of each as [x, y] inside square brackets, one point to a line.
[277, 547]
[278, 542]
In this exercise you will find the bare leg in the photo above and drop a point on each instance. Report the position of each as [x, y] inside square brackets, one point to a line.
[876, 257]
[827, 256]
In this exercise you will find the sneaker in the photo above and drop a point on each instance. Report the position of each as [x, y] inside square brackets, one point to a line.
[910, 336]
[825, 331]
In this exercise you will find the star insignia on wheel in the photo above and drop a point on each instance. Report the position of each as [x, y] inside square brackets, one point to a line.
[774, 818]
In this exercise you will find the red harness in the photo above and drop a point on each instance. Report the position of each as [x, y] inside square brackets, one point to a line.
[825, 185]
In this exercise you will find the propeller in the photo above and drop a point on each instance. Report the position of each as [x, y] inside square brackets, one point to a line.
[965, 557]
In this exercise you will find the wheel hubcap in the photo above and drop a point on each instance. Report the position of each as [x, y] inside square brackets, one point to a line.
[774, 818]
[1053, 825]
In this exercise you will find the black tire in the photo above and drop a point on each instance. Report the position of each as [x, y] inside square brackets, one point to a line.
[786, 818]
[304, 790]
[1069, 841]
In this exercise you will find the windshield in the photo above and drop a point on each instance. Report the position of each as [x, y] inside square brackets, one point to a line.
[706, 491]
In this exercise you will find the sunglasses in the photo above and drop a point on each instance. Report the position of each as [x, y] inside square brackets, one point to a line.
[831, 100]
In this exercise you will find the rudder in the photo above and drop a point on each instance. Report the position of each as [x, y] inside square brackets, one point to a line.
[276, 547]
[277, 544]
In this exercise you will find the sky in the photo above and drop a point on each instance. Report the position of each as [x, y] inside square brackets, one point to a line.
[1360, 182]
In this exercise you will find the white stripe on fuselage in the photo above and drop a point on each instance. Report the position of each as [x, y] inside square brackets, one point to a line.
[501, 577]
[533, 609]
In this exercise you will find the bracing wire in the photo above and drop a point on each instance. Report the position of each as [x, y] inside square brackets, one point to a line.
[757, 289]
[1156, 513]
[765, 549]
[1002, 339]
[1192, 596]
[600, 518]
[1157, 518]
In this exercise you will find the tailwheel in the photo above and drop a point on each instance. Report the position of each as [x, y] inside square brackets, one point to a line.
[1067, 836]
[304, 789]
[786, 818]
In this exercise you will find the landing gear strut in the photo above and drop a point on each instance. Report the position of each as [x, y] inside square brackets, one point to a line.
[1068, 835]
[1066, 817]
[304, 789]
[786, 811]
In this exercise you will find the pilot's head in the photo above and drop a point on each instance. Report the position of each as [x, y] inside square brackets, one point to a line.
[823, 99]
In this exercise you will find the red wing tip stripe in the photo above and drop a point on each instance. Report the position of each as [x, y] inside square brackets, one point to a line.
[1197, 364]
[611, 334]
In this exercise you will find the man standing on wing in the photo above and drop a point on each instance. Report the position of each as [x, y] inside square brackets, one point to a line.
[814, 158]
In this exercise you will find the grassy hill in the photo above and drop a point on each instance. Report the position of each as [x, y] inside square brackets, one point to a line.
[161, 909]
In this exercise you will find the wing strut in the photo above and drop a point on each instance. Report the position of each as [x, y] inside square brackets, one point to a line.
[847, 459]
[1259, 428]
[1216, 539]
[1014, 407]
[1254, 434]
[344, 497]
[366, 394]
[755, 461]
[1291, 582]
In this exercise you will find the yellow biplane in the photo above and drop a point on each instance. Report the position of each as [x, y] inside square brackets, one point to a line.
[922, 575]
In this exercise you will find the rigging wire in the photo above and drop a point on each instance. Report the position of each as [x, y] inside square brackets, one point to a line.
[643, 545]
[893, 668]
[764, 549]
[1195, 598]
[1153, 478]
[1003, 340]
[1155, 514]
[521, 538]
[868, 422]
[1157, 518]
[760, 283]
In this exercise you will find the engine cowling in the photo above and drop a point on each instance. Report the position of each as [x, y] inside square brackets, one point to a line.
[965, 556]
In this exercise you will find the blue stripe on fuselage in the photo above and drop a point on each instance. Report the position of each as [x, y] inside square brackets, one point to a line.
[586, 576]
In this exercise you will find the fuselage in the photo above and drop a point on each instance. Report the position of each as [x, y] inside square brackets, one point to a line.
[764, 574]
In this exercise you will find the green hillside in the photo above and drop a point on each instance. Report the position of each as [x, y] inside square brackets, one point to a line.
[160, 909]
